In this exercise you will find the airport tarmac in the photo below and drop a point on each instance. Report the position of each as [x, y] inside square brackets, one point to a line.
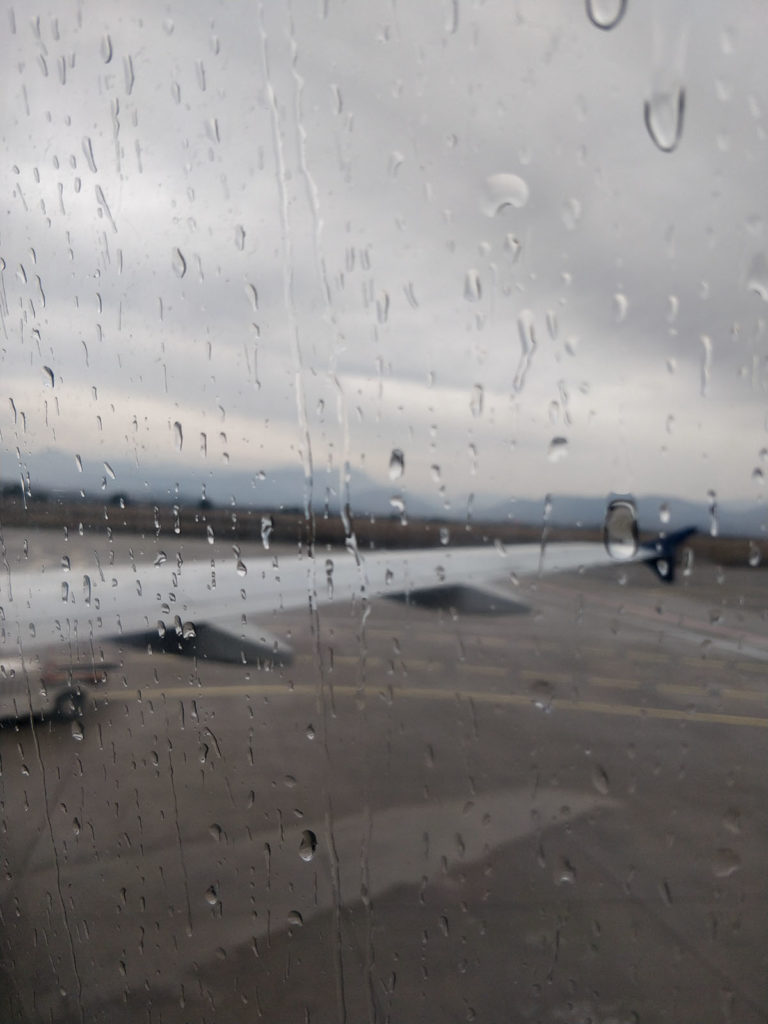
[552, 815]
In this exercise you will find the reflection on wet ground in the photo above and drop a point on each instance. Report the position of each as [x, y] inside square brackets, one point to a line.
[553, 816]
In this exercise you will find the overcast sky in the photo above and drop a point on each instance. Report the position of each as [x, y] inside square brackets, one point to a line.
[324, 230]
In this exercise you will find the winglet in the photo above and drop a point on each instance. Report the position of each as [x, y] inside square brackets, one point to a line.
[662, 553]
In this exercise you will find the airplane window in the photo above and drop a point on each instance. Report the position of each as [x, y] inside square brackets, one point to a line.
[383, 469]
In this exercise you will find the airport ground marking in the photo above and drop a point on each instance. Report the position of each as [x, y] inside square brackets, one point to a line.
[518, 700]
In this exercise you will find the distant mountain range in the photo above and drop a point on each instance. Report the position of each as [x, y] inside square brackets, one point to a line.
[52, 474]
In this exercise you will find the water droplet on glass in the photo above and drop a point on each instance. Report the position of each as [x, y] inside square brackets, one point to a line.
[571, 214]
[241, 567]
[295, 919]
[732, 821]
[109, 471]
[214, 831]
[396, 464]
[714, 525]
[178, 436]
[687, 560]
[49, 377]
[266, 530]
[600, 779]
[542, 692]
[178, 263]
[79, 464]
[620, 307]
[620, 529]
[240, 237]
[664, 113]
[504, 191]
[757, 276]
[755, 556]
[606, 14]
[209, 534]
[476, 401]
[473, 289]
[211, 896]
[77, 730]
[558, 449]
[307, 844]
[445, 535]
[106, 48]
[565, 873]
[726, 862]
[664, 513]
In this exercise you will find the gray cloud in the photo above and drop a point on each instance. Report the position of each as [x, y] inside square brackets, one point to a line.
[349, 188]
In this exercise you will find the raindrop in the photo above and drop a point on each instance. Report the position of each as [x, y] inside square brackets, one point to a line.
[571, 214]
[565, 873]
[178, 263]
[606, 14]
[726, 862]
[395, 162]
[542, 693]
[295, 919]
[620, 529]
[754, 555]
[79, 463]
[211, 896]
[106, 48]
[266, 530]
[66, 565]
[732, 821]
[109, 471]
[77, 730]
[240, 237]
[49, 377]
[714, 525]
[307, 844]
[396, 502]
[445, 535]
[396, 464]
[664, 113]
[688, 559]
[215, 832]
[600, 779]
[476, 401]
[757, 276]
[620, 307]
[558, 449]
[88, 154]
[178, 436]
[209, 533]
[503, 191]
[241, 567]
[664, 513]
[473, 289]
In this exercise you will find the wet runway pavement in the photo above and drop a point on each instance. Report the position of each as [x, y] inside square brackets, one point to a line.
[554, 815]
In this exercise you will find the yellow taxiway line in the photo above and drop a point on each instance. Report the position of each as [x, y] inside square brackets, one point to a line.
[517, 700]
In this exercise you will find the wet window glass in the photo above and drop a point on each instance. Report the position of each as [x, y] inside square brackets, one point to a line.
[383, 454]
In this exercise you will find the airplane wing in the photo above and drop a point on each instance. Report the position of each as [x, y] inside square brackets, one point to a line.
[220, 610]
